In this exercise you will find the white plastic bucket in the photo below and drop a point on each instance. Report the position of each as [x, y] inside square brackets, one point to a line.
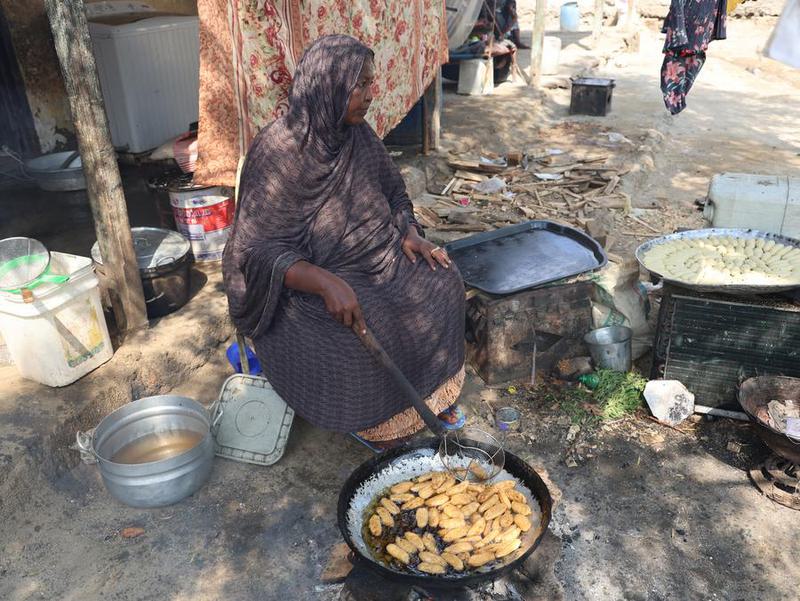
[62, 335]
[551, 50]
[473, 79]
[204, 216]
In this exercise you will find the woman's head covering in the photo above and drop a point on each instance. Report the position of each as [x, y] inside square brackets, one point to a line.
[325, 77]
[297, 169]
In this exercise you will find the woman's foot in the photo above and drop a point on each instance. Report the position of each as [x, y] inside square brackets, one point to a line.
[453, 418]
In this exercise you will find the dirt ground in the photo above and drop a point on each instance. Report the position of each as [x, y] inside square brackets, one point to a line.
[645, 513]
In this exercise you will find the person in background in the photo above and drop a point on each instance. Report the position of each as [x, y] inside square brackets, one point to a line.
[507, 22]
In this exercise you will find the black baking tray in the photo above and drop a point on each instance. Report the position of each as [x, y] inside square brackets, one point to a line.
[523, 256]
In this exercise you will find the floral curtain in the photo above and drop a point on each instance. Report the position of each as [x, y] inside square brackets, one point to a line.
[266, 40]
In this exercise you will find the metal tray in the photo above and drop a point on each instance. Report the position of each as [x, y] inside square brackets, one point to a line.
[734, 289]
[523, 256]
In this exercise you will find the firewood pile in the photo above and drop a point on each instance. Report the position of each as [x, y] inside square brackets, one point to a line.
[489, 191]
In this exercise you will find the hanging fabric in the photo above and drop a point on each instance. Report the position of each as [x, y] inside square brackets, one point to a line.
[690, 26]
[461, 16]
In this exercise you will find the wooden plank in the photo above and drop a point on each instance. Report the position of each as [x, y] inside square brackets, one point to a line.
[436, 115]
[598, 20]
[103, 182]
[537, 43]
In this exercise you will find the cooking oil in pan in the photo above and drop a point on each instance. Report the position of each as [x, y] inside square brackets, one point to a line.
[158, 446]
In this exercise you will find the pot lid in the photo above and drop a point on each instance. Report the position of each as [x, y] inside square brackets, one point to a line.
[251, 422]
[185, 183]
[154, 247]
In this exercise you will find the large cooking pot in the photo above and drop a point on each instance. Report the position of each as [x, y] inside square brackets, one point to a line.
[164, 266]
[373, 477]
[152, 483]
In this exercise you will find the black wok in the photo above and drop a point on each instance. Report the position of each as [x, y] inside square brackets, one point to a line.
[371, 478]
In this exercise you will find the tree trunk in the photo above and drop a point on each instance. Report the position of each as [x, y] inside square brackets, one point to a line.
[104, 186]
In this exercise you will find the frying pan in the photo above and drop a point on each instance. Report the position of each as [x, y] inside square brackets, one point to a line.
[373, 477]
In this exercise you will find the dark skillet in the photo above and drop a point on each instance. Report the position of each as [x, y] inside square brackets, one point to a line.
[513, 465]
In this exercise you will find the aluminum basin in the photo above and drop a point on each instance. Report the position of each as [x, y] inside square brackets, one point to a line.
[155, 483]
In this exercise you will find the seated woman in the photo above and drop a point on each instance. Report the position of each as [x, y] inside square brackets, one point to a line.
[324, 243]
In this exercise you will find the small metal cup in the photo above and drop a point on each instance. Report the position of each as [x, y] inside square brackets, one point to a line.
[507, 419]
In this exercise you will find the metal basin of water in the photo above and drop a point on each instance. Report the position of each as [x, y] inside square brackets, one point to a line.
[153, 452]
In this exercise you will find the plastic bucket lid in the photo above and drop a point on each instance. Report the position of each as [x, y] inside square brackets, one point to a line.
[156, 249]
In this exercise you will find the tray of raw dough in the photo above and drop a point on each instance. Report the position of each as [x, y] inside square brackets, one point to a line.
[726, 260]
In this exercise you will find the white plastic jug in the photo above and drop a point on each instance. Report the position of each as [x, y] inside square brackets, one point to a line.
[476, 77]
[551, 50]
[769, 203]
[61, 335]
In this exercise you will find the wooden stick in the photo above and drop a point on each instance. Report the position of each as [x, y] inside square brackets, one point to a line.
[537, 43]
[598, 20]
[645, 224]
[103, 182]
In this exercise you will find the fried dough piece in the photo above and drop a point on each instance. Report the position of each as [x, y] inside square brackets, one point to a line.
[401, 487]
[515, 495]
[459, 547]
[452, 523]
[453, 535]
[509, 534]
[490, 502]
[426, 491]
[454, 561]
[495, 511]
[477, 527]
[386, 517]
[429, 542]
[390, 506]
[507, 547]
[433, 517]
[414, 503]
[505, 485]
[470, 508]
[448, 483]
[521, 508]
[375, 525]
[522, 522]
[431, 568]
[478, 559]
[405, 545]
[437, 501]
[452, 511]
[415, 540]
[403, 497]
[461, 498]
[397, 553]
[428, 557]
[422, 517]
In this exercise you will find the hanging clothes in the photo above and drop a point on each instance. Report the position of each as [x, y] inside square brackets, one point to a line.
[690, 26]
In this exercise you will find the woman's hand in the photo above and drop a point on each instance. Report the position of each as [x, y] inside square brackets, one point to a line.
[414, 245]
[340, 300]
[342, 303]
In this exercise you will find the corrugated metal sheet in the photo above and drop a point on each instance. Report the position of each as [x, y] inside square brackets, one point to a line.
[711, 345]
